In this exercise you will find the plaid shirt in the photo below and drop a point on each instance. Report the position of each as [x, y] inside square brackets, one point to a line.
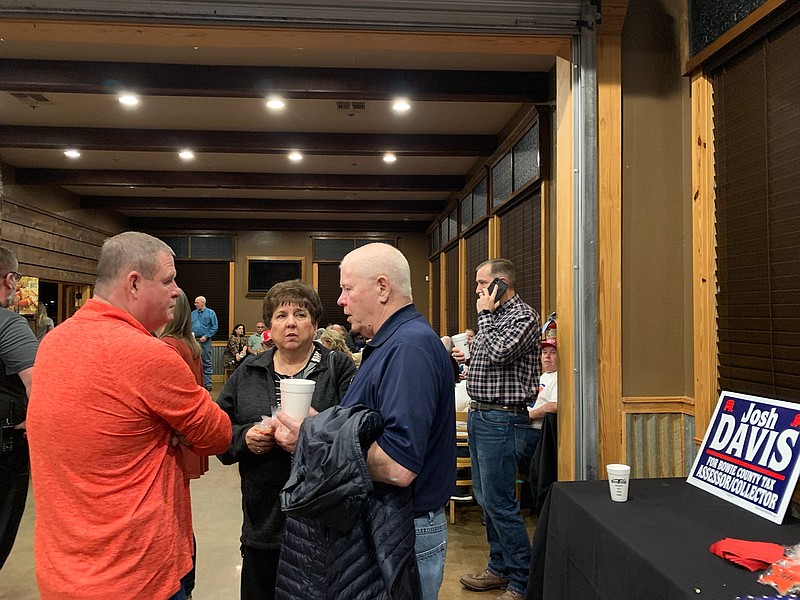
[505, 356]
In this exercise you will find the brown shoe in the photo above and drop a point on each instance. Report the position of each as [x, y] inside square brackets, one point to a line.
[510, 595]
[483, 581]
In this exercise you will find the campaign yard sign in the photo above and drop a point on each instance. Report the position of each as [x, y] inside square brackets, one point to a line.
[749, 455]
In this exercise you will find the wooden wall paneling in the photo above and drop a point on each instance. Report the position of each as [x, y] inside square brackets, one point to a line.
[40, 220]
[564, 265]
[494, 237]
[545, 256]
[703, 254]
[430, 292]
[442, 294]
[611, 426]
[175, 35]
[49, 246]
[463, 284]
[657, 404]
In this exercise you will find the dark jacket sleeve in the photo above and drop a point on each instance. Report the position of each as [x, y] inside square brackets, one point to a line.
[227, 402]
[345, 370]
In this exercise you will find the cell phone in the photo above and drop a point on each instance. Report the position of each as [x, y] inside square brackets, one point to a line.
[501, 285]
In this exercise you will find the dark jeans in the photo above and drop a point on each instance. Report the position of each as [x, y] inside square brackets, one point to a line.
[179, 595]
[188, 580]
[259, 572]
[492, 449]
[14, 477]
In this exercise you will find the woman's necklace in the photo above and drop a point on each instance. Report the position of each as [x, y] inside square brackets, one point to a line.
[290, 368]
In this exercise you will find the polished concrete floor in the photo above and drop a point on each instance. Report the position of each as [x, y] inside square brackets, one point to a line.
[217, 521]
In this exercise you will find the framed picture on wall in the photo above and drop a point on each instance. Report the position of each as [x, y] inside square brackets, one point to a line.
[265, 271]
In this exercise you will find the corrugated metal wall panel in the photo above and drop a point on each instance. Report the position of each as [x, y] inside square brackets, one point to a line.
[655, 445]
[515, 16]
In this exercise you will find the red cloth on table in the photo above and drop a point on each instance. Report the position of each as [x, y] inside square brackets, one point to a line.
[751, 555]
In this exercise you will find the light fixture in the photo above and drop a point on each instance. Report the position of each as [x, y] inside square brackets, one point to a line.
[295, 156]
[72, 153]
[186, 154]
[128, 99]
[401, 105]
[389, 157]
[275, 103]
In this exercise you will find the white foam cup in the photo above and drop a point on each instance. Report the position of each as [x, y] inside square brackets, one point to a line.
[460, 342]
[618, 479]
[296, 397]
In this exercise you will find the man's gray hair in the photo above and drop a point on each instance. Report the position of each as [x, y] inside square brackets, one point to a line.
[126, 252]
[8, 261]
[373, 260]
[501, 267]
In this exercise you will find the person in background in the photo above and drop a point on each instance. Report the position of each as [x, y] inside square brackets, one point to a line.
[236, 350]
[546, 402]
[462, 360]
[502, 381]
[113, 514]
[255, 340]
[43, 322]
[178, 334]
[406, 376]
[204, 327]
[332, 339]
[18, 348]
[293, 309]
[348, 337]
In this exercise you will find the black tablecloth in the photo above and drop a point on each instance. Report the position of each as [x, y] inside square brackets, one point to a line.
[653, 547]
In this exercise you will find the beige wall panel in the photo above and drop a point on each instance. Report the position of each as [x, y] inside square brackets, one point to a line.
[288, 243]
[656, 247]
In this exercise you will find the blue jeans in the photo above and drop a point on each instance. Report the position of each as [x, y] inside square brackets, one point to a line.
[492, 449]
[179, 595]
[430, 548]
[208, 367]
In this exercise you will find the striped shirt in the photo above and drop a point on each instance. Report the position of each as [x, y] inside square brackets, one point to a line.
[505, 355]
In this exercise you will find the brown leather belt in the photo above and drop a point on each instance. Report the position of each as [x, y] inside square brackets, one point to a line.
[517, 410]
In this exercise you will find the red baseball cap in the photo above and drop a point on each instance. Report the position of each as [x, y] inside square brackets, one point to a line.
[267, 335]
[551, 341]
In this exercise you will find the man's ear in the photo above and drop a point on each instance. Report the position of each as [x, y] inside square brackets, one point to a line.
[384, 289]
[133, 280]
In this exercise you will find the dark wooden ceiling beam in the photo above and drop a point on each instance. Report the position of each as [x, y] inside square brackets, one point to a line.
[275, 181]
[317, 226]
[263, 142]
[132, 203]
[152, 79]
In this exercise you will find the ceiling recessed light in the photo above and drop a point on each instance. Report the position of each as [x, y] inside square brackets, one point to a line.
[72, 153]
[186, 154]
[128, 99]
[295, 156]
[275, 103]
[389, 157]
[401, 105]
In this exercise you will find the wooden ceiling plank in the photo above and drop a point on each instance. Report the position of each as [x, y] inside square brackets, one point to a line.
[150, 79]
[319, 227]
[129, 203]
[262, 142]
[222, 180]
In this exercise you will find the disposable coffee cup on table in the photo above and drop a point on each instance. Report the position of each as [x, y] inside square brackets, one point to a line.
[296, 397]
[460, 342]
[618, 480]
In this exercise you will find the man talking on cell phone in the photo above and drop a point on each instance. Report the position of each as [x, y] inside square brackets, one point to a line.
[503, 380]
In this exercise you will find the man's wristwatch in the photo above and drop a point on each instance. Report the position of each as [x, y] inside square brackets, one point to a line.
[485, 311]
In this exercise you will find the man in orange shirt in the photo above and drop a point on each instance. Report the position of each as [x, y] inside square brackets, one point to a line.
[108, 402]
